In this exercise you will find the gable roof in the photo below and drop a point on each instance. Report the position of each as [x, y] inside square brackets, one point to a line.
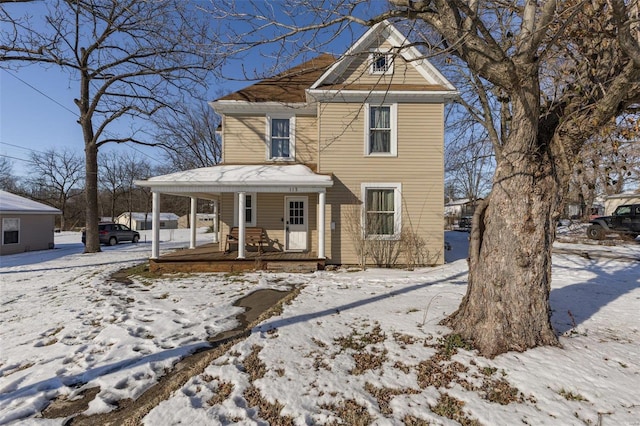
[15, 204]
[386, 31]
[312, 80]
[286, 87]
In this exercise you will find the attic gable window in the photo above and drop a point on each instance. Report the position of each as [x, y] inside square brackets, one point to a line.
[380, 63]
[280, 137]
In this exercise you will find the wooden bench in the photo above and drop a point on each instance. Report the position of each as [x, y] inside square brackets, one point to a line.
[254, 236]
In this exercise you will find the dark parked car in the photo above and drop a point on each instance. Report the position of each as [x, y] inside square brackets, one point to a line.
[625, 221]
[464, 224]
[113, 233]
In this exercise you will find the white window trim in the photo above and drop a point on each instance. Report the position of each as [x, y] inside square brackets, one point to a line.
[292, 136]
[254, 208]
[394, 131]
[5, 223]
[389, 58]
[397, 206]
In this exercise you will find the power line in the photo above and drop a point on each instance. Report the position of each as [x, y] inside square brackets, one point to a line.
[21, 147]
[16, 158]
[109, 134]
[42, 93]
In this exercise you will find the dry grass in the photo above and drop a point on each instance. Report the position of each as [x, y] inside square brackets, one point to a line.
[319, 343]
[452, 408]
[357, 342]
[368, 361]
[414, 421]
[570, 396]
[225, 389]
[350, 412]
[253, 365]
[385, 395]
[270, 412]
[501, 392]
[404, 339]
[434, 372]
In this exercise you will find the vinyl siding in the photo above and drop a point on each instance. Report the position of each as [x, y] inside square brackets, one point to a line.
[36, 233]
[245, 139]
[403, 72]
[419, 167]
[270, 216]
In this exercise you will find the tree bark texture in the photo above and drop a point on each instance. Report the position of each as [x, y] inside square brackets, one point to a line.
[92, 244]
[506, 306]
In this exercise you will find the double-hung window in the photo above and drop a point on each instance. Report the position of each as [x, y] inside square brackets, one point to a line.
[381, 210]
[381, 130]
[280, 137]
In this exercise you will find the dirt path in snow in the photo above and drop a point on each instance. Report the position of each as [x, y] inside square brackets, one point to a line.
[258, 305]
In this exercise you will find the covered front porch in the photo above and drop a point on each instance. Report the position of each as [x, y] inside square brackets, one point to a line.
[285, 202]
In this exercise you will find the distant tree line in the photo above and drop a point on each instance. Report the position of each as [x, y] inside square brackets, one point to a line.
[57, 175]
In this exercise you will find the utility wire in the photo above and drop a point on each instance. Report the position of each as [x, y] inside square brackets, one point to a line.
[42, 93]
[21, 147]
[67, 109]
[16, 158]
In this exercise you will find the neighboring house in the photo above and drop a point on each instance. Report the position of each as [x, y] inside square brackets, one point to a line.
[202, 219]
[25, 225]
[611, 202]
[143, 221]
[455, 210]
[332, 154]
[461, 208]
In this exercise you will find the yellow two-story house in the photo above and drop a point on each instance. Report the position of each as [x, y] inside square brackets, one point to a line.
[341, 158]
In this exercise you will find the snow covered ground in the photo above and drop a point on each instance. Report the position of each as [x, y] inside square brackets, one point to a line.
[354, 347]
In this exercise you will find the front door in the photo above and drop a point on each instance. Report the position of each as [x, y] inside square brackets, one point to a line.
[295, 223]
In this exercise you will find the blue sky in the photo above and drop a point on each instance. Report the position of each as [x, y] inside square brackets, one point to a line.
[37, 112]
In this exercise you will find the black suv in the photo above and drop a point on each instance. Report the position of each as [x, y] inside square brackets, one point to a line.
[113, 233]
[625, 221]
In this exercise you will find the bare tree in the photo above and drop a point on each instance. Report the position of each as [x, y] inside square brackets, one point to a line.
[547, 76]
[129, 59]
[8, 181]
[551, 113]
[469, 161]
[56, 177]
[112, 179]
[189, 137]
[610, 161]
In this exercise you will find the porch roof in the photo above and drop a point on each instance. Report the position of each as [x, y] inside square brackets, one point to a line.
[208, 181]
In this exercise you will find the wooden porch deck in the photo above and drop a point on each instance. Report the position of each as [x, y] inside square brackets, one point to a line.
[208, 258]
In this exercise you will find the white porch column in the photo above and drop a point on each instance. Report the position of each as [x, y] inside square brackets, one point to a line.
[155, 225]
[215, 221]
[241, 223]
[193, 222]
[322, 196]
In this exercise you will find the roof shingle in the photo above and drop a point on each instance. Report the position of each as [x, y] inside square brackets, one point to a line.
[288, 86]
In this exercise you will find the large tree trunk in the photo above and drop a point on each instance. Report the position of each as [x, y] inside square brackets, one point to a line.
[507, 302]
[91, 194]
